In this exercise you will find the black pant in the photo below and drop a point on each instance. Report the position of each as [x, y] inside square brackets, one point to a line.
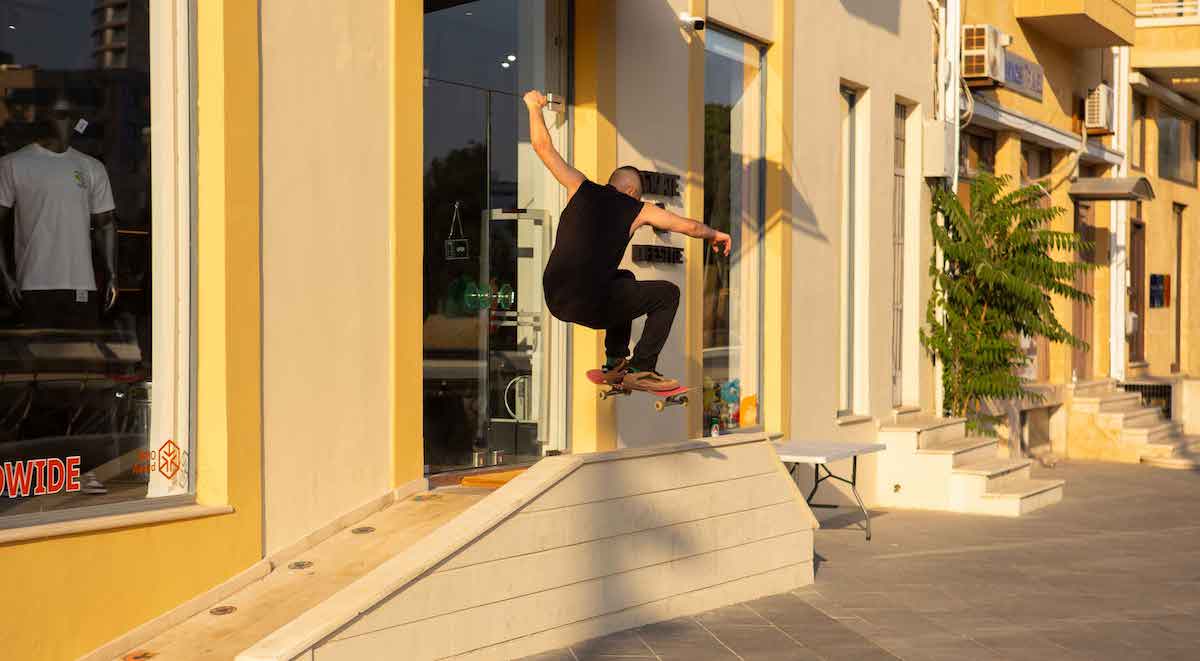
[629, 299]
[59, 308]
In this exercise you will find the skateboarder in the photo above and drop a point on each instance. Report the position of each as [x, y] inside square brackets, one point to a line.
[582, 282]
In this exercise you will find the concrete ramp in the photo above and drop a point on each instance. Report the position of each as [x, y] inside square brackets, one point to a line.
[578, 546]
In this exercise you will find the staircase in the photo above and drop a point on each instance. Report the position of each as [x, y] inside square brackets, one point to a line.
[931, 463]
[1110, 424]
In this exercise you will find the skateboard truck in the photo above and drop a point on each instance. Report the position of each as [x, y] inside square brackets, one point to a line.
[678, 399]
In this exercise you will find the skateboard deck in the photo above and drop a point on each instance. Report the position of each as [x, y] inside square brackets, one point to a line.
[672, 397]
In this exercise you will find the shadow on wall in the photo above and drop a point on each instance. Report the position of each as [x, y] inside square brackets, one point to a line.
[880, 13]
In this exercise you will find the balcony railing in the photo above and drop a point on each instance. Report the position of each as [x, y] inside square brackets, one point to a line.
[1181, 12]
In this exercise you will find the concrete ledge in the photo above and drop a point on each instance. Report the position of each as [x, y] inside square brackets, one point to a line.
[616, 539]
[111, 522]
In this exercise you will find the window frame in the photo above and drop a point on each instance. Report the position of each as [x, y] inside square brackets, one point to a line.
[173, 304]
[760, 232]
[1182, 119]
[1137, 122]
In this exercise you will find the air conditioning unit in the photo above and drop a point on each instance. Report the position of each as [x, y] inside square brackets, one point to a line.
[1099, 111]
[983, 55]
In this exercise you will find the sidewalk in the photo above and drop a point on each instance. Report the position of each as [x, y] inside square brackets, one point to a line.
[1112, 572]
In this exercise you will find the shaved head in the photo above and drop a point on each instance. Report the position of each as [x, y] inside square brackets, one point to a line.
[628, 180]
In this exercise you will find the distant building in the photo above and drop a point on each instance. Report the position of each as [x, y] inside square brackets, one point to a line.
[118, 34]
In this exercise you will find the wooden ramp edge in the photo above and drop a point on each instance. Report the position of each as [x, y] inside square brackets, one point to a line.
[493, 480]
[573, 547]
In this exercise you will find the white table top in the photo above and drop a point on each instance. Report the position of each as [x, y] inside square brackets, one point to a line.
[822, 452]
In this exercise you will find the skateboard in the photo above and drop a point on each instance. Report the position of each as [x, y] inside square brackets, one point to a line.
[672, 397]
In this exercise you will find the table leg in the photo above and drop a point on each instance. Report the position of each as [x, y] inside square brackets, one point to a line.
[853, 482]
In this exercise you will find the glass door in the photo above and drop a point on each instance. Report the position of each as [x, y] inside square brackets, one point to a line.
[489, 205]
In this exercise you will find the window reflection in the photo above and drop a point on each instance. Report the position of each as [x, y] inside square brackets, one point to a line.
[75, 354]
[733, 148]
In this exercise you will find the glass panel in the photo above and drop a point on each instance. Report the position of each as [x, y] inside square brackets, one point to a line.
[75, 226]
[898, 217]
[849, 151]
[1170, 139]
[485, 377]
[733, 144]
[1137, 132]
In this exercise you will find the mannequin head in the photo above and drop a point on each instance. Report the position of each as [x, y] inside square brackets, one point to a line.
[58, 125]
[628, 180]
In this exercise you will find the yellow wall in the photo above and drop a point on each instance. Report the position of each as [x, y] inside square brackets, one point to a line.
[1158, 215]
[829, 41]
[407, 210]
[777, 239]
[593, 425]
[326, 280]
[76, 593]
[1068, 72]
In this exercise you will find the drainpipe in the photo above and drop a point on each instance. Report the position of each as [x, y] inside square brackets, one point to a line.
[950, 110]
[1117, 259]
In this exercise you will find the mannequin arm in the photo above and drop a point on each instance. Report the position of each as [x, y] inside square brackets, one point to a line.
[104, 233]
[7, 279]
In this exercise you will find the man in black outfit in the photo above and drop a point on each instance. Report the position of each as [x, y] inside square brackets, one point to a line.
[582, 282]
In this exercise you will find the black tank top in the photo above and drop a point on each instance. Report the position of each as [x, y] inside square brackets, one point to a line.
[592, 236]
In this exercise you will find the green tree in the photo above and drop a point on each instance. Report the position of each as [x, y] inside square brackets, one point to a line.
[994, 286]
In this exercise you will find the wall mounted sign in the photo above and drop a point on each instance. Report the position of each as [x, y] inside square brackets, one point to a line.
[657, 254]
[660, 183]
[1160, 290]
[1023, 76]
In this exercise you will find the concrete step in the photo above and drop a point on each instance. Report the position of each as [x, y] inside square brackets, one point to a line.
[970, 482]
[1150, 432]
[1185, 455]
[1094, 388]
[995, 468]
[1017, 497]
[1108, 403]
[963, 451]
[1119, 419]
[1163, 449]
[915, 431]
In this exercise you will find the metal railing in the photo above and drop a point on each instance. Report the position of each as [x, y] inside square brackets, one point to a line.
[1182, 9]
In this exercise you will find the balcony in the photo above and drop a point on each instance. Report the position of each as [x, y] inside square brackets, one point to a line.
[1081, 23]
[1163, 14]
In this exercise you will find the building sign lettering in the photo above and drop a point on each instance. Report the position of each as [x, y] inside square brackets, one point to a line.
[1022, 76]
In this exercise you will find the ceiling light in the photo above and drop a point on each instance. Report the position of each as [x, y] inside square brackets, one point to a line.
[505, 65]
[470, 14]
[512, 58]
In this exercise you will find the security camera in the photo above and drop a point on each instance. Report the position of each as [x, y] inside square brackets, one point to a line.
[690, 22]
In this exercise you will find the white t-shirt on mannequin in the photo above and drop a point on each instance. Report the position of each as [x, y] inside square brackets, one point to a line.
[54, 196]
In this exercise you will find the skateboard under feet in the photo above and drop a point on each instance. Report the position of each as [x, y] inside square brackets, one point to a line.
[672, 397]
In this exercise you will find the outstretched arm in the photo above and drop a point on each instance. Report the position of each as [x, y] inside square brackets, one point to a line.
[543, 146]
[661, 219]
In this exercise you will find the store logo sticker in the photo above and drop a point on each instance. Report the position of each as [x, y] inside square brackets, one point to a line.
[168, 459]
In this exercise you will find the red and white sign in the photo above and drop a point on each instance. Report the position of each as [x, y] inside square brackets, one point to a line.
[39, 477]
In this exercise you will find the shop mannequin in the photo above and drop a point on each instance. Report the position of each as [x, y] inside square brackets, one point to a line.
[63, 210]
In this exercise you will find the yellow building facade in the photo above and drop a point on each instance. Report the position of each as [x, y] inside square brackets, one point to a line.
[334, 359]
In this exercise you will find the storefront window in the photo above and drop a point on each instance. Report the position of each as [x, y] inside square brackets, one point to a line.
[1176, 147]
[733, 164]
[76, 227]
[489, 209]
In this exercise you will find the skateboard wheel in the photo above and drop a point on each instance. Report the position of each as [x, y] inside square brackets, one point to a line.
[659, 406]
[603, 396]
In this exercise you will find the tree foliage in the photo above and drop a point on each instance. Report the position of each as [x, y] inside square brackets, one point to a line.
[995, 285]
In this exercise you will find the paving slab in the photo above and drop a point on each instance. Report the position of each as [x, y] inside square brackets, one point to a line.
[1108, 573]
